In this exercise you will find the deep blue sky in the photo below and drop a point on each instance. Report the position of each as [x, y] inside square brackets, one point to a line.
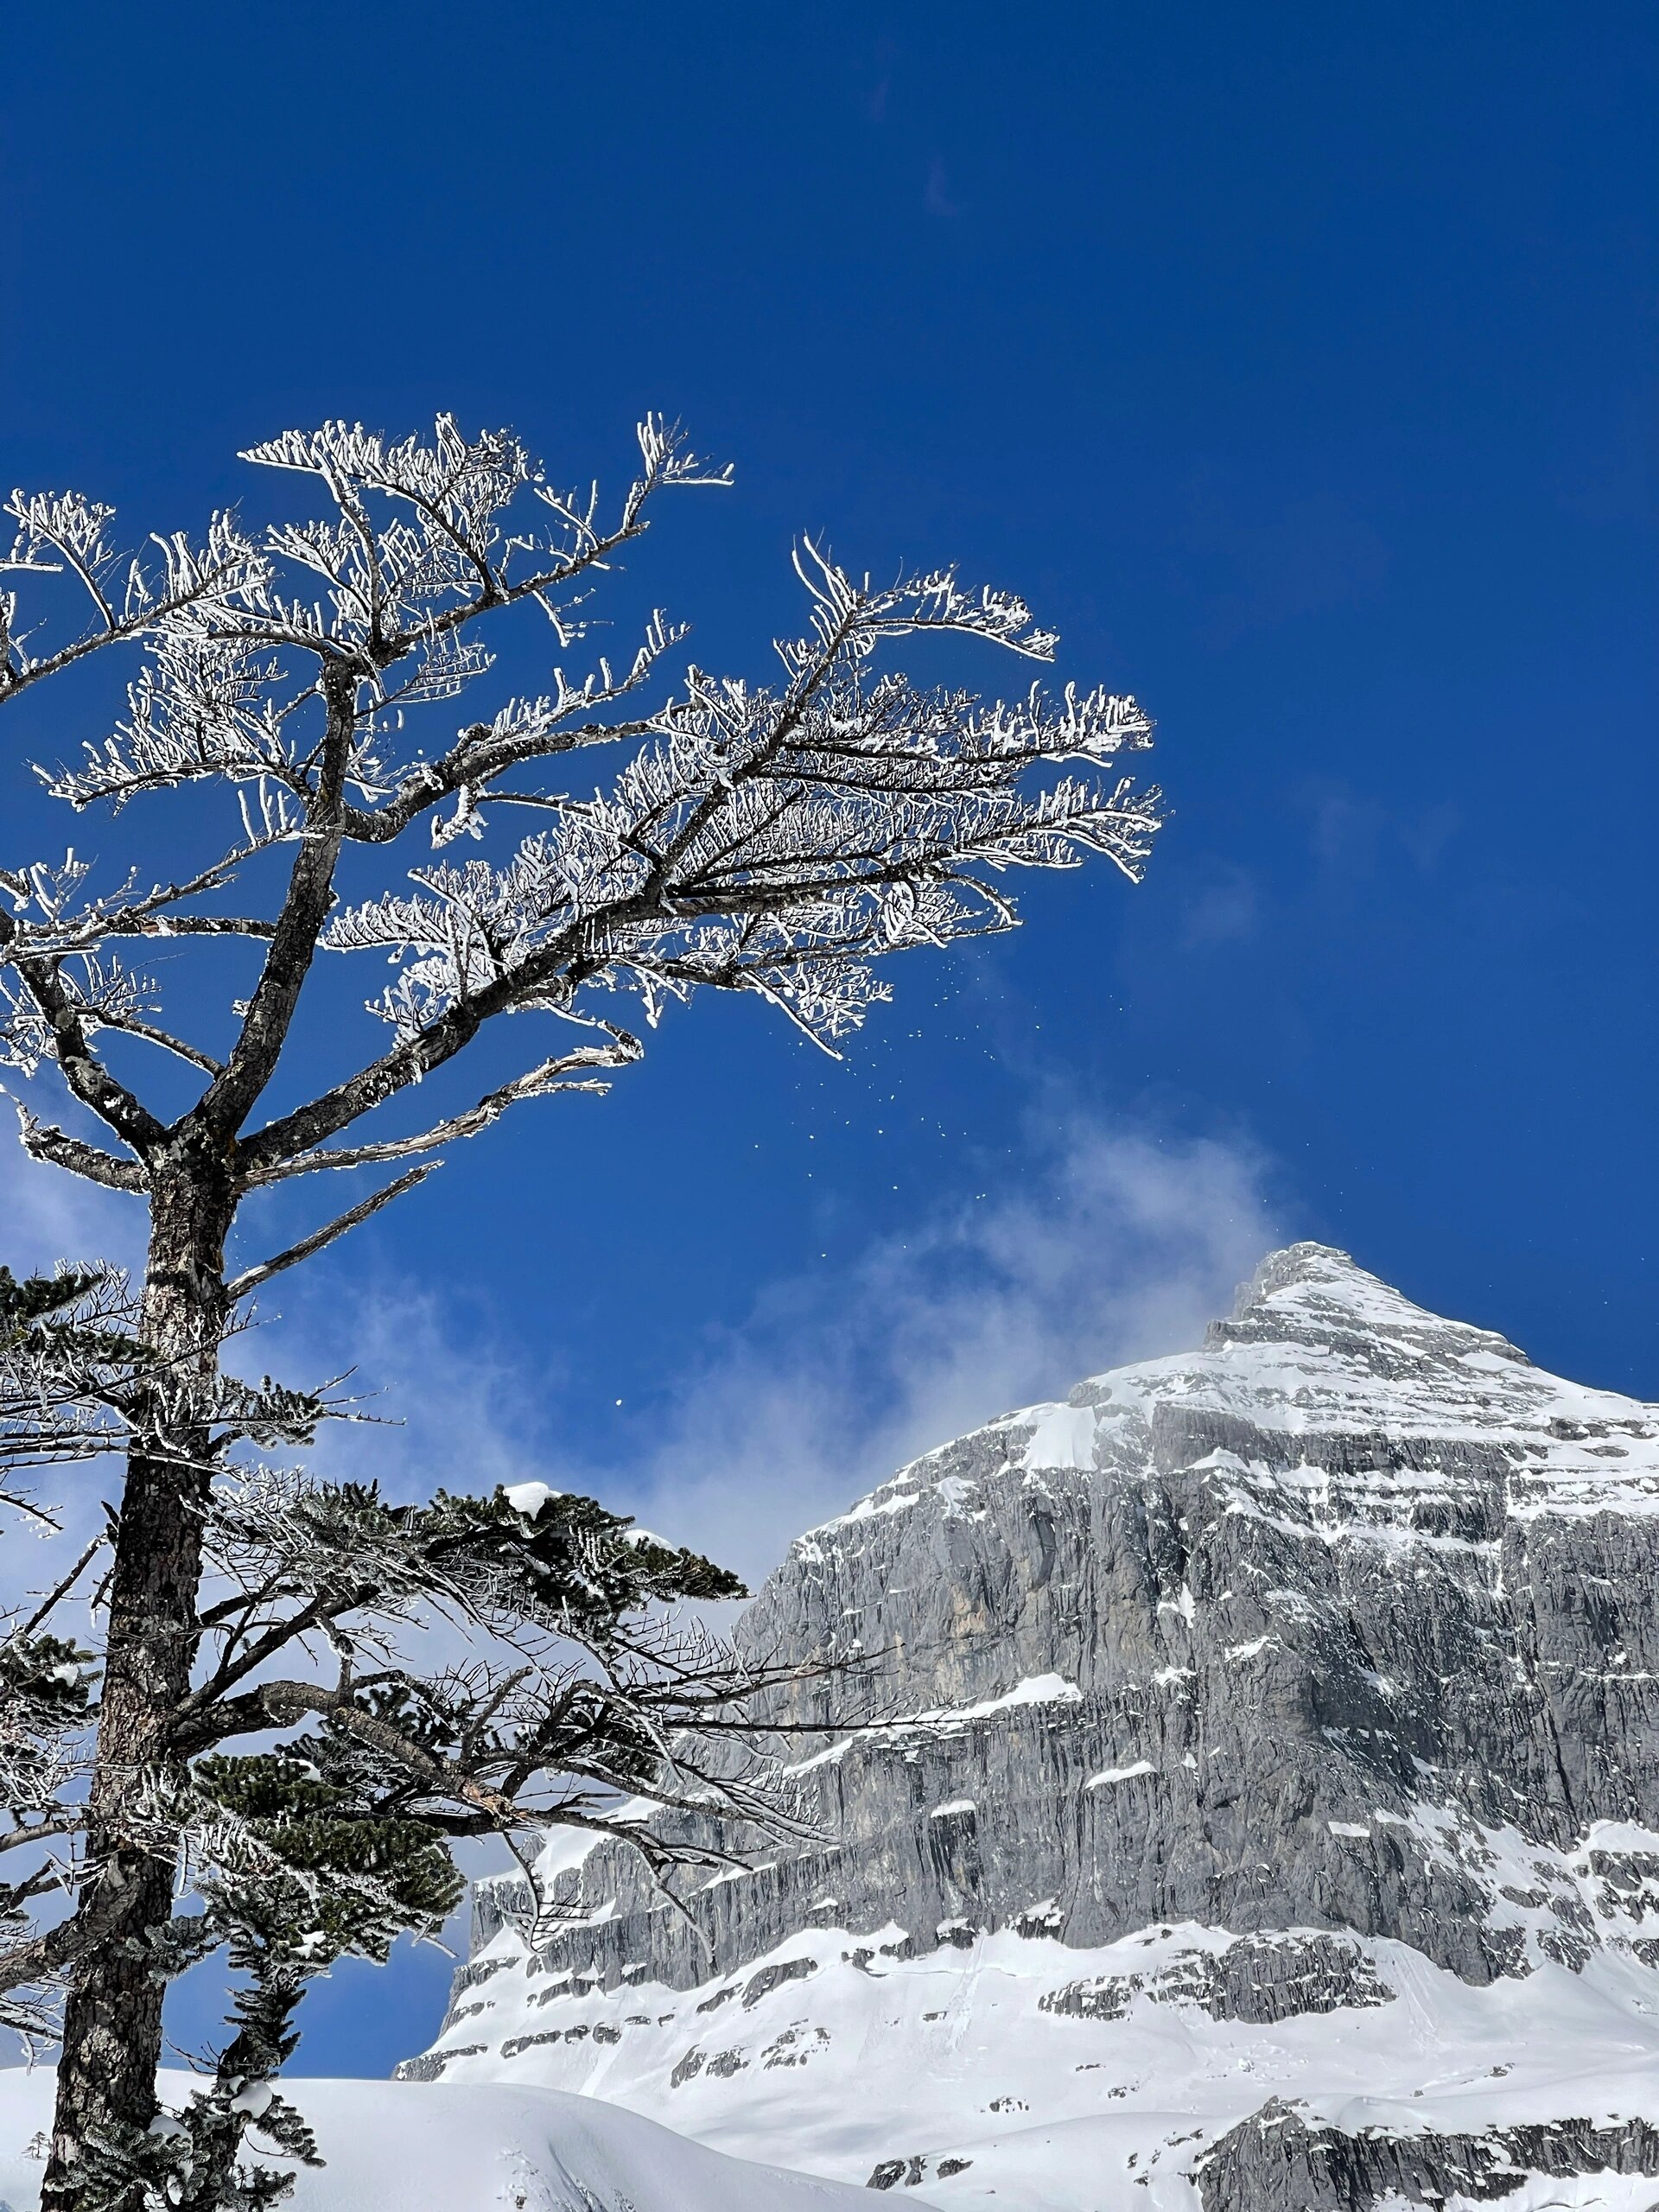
[1297, 362]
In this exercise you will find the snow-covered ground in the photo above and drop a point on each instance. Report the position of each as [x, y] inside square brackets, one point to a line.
[854, 2059]
[394, 2146]
[1127, 2105]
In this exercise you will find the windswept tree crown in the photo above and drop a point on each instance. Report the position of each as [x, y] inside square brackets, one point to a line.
[776, 838]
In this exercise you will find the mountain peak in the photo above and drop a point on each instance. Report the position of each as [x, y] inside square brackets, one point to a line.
[1314, 1293]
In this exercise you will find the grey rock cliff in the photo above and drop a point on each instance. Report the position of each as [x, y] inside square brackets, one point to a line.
[1340, 1632]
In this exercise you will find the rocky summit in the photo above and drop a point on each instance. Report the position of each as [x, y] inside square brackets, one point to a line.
[1250, 1802]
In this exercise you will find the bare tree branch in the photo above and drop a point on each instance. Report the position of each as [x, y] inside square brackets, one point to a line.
[85, 1073]
[250, 1278]
[15, 677]
[228, 1100]
[55, 1147]
[60, 1591]
[553, 1076]
[130, 1025]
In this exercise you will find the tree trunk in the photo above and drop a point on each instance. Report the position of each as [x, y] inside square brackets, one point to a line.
[112, 2026]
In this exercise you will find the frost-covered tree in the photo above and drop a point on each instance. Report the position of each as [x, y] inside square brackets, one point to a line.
[776, 838]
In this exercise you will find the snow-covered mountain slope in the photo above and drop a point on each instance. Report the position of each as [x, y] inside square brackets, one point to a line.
[1019, 2072]
[393, 2148]
[1255, 1804]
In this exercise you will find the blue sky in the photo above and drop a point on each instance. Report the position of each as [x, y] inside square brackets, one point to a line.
[1297, 362]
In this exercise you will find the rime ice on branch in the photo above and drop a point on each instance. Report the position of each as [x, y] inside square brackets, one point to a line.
[776, 839]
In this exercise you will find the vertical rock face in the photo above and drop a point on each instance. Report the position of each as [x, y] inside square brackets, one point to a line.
[1224, 1713]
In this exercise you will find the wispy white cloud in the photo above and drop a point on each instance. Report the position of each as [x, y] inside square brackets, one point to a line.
[1100, 1247]
[459, 1412]
[1222, 907]
[937, 197]
[1093, 1245]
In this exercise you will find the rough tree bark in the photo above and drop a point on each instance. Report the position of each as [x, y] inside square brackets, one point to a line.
[112, 2022]
[112, 2025]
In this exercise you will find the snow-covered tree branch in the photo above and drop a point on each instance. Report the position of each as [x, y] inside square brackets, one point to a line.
[778, 839]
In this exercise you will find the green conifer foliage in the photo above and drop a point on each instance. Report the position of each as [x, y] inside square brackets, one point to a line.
[316, 1778]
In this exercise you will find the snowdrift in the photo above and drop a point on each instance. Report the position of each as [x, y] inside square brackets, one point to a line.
[394, 2146]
